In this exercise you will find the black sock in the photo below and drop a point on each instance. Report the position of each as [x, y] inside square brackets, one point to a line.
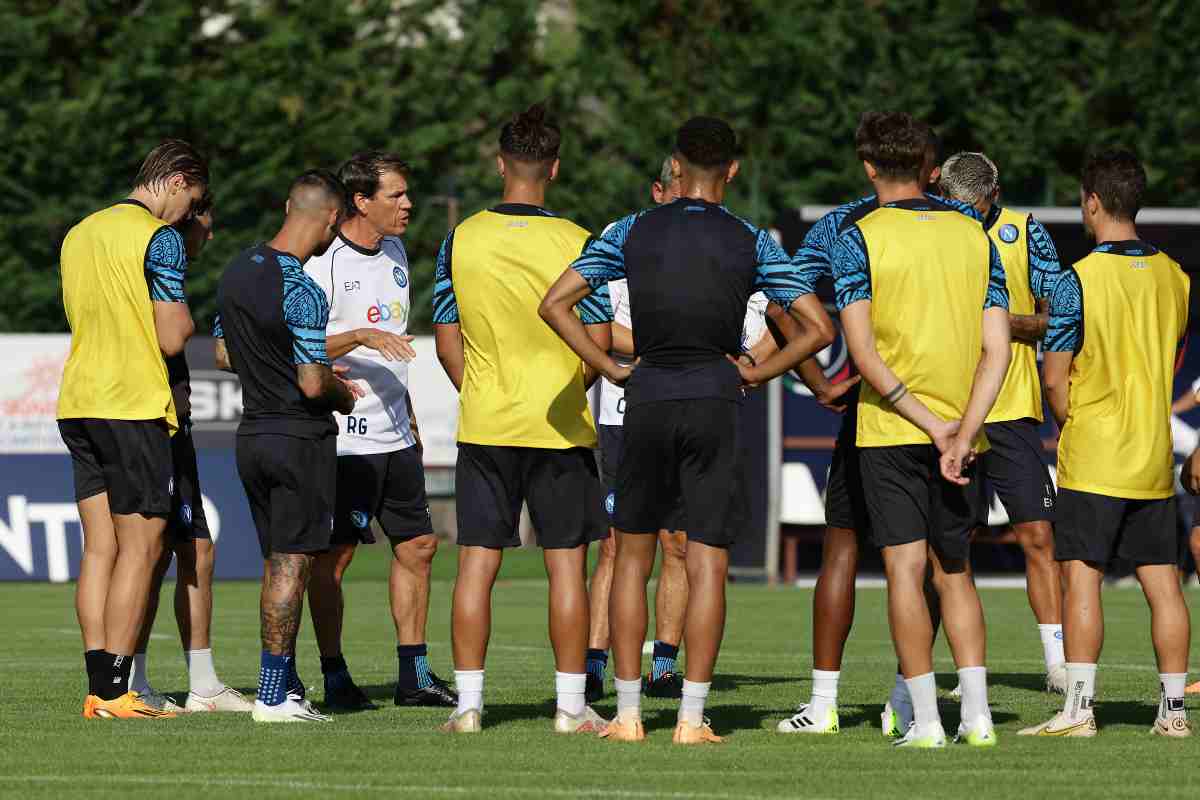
[96, 662]
[413, 666]
[335, 671]
[114, 680]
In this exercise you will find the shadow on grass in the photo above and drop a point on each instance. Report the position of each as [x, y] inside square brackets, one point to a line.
[1033, 681]
[724, 682]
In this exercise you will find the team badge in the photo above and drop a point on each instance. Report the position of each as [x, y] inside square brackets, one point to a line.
[1009, 233]
[360, 519]
[401, 278]
[610, 503]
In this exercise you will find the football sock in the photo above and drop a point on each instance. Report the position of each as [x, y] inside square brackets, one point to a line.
[96, 662]
[597, 661]
[629, 695]
[973, 681]
[1171, 685]
[113, 680]
[691, 707]
[1081, 689]
[664, 659]
[923, 691]
[138, 683]
[900, 695]
[1052, 645]
[824, 693]
[273, 677]
[294, 685]
[414, 666]
[335, 672]
[570, 687]
[202, 675]
[469, 683]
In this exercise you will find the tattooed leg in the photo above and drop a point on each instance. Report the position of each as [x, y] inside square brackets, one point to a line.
[283, 601]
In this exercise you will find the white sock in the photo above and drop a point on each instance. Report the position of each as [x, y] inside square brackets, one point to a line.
[1052, 645]
[923, 691]
[1081, 690]
[202, 676]
[138, 683]
[570, 687]
[629, 696]
[1170, 700]
[973, 681]
[469, 685]
[824, 691]
[900, 695]
[691, 707]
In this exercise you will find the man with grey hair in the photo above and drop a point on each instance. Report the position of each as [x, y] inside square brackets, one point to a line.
[1014, 466]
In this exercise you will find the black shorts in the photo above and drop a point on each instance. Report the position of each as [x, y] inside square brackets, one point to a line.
[187, 520]
[1097, 528]
[128, 459]
[1015, 469]
[845, 504]
[561, 487]
[689, 450]
[290, 483]
[612, 438]
[908, 500]
[388, 487]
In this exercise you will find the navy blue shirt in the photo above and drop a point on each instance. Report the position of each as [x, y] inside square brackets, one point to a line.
[272, 316]
[691, 267]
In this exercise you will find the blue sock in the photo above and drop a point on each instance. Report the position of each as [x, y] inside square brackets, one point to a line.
[294, 684]
[335, 672]
[664, 659]
[273, 678]
[597, 660]
[414, 672]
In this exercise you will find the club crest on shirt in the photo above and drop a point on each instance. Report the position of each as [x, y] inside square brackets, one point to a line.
[401, 278]
[1009, 233]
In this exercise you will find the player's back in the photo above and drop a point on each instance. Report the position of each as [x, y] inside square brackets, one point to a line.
[1117, 438]
[522, 385]
[115, 369]
[259, 292]
[926, 267]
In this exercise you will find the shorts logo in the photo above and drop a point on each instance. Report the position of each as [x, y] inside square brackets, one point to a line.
[401, 278]
[185, 514]
[1008, 233]
[171, 485]
[1058, 635]
[610, 503]
[360, 519]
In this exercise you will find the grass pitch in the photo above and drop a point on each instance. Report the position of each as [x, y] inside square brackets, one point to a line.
[47, 749]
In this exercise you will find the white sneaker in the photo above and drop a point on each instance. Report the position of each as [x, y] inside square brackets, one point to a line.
[159, 701]
[1056, 679]
[930, 736]
[586, 721]
[288, 711]
[805, 722]
[1062, 725]
[979, 733]
[228, 699]
[896, 719]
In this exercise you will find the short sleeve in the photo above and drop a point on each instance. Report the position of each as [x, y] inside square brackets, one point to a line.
[166, 265]
[1044, 266]
[596, 308]
[815, 256]
[306, 312]
[603, 258]
[1065, 331]
[218, 331]
[997, 290]
[851, 268]
[775, 274]
[445, 304]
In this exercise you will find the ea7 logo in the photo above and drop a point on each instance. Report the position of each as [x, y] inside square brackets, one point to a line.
[351, 286]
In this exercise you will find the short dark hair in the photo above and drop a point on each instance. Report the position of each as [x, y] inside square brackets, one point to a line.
[893, 143]
[362, 171]
[1118, 179]
[173, 156]
[324, 183]
[531, 136]
[706, 142]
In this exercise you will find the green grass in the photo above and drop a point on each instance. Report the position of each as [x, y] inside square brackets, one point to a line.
[46, 749]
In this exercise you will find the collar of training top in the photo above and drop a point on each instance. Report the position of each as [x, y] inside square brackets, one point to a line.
[1126, 247]
[521, 210]
[993, 216]
[366, 251]
[132, 202]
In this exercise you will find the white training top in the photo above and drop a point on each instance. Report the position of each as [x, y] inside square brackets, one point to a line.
[369, 289]
[612, 397]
